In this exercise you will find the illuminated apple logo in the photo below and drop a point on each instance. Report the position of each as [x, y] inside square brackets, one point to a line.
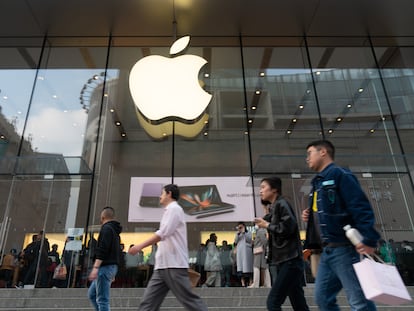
[163, 87]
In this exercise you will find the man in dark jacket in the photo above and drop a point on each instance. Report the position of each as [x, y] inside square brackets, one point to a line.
[106, 261]
[36, 250]
[337, 200]
[285, 249]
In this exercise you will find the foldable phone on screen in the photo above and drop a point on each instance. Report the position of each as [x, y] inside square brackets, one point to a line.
[203, 201]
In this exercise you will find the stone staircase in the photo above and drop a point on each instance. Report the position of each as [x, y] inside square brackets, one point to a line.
[217, 299]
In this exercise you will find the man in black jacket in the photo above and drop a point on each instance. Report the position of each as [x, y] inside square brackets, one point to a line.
[285, 249]
[107, 259]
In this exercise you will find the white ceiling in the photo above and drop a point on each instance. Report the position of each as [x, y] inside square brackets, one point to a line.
[206, 17]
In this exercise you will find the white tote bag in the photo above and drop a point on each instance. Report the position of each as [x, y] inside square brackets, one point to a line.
[381, 282]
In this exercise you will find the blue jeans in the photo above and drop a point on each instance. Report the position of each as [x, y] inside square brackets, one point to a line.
[98, 292]
[288, 283]
[335, 272]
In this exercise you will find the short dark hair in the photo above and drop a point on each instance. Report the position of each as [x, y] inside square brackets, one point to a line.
[109, 212]
[330, 148]
[274, 183]
[242, 223]
[173, 189]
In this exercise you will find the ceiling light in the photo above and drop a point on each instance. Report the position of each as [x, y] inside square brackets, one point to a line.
[246, 132]
[117, 123]
[301, 106]
[308, 91]
[250, 121]
[372, 130]
[294, 120]
[123, 134]
[262, 74]
[360, 90]
[5, 97]
[349, 106]
[2, 137]
[254, 107]
[206, 122]
[339, 119]
[288, 132]
[112, 110]
[257, 92]
[95, 77]
[205, 133]
[206, 75]
[318, 73]
[330, 131]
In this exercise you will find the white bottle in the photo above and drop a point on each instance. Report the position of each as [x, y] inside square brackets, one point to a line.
[353, 235]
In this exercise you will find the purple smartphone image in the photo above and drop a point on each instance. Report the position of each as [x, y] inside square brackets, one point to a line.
[150, 195]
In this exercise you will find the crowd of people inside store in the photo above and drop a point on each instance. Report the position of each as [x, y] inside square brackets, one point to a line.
[215, 261]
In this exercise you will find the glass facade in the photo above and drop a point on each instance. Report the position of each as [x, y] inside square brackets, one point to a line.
[72, 140]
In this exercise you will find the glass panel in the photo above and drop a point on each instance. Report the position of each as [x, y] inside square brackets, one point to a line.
[352, 102]
[397, 69]
[282, 110]
[54, 205]
[37, 188]
[18, 65]
[59, 120]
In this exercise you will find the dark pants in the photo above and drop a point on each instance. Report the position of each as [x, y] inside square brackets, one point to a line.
[273, 273]
[288, 283]
[226, 275]
[30, 273]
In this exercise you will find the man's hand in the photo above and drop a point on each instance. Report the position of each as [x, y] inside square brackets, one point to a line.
[134, 249]
[306, 253]
[305, 214]
[93, 275]
[364, 249]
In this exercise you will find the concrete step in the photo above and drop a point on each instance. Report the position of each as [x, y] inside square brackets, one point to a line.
[217, 299]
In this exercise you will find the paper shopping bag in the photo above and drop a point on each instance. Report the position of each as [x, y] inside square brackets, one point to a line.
[381, 282]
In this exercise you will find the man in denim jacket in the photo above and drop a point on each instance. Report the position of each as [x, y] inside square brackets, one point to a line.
[336, 200]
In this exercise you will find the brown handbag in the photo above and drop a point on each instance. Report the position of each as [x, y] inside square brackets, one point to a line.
[60, 272]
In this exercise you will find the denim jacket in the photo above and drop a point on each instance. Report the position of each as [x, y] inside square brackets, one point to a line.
[341, 201]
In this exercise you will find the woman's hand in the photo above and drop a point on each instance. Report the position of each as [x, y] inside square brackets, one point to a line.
[261, 223]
